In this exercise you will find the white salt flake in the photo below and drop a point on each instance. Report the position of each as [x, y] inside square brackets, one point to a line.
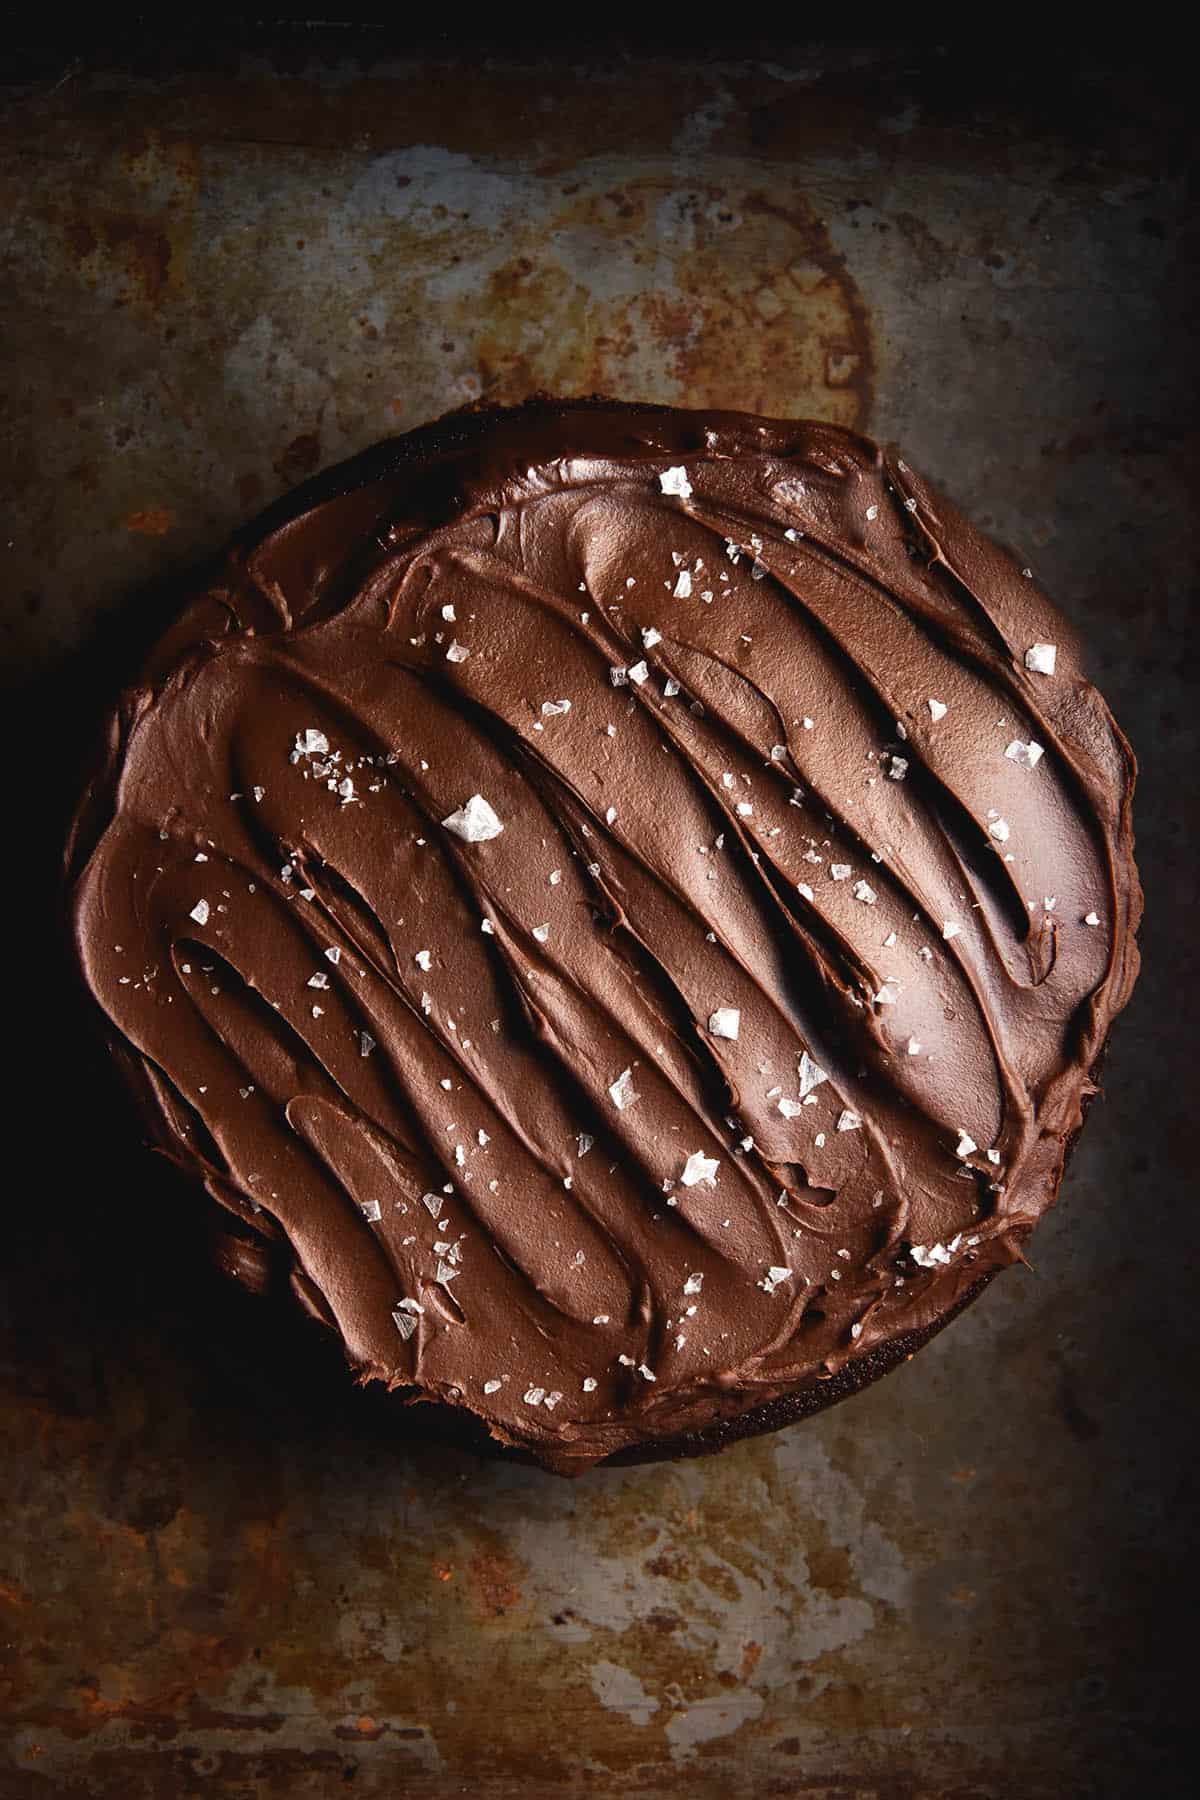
[897, 768]
[311, 742]
[639, 672]
[693, 1284]
[551, 709]
[744, 809]
[862, 892]
[929, 1256]
[670, 687]
[371, 1211]
[683, 585]
[405, 1324]
[675, 481]
[848, 1121]
[199, 912]
[700, 1168]
[1091, 918]
[622, 1092]
[1041, 658]
[541, 933]
[333, 954]
[475, 822]
[424, 960]
[1027, 756]
[493, 1386]
[725, 1022]
[590, 1384]
[950, 929]
[811, 1074]
[773, 1278]
[366, 1043]
[913, 1047]
[966, 1146]
[790, 1108]
[534, 1396]
[840, 871]
[457, 653]
[651, 636]
[937, 709]
[319, 980]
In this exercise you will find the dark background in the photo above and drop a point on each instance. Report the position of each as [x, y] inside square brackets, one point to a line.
[222, 1570]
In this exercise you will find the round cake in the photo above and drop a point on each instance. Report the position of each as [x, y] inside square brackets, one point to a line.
[622, 906]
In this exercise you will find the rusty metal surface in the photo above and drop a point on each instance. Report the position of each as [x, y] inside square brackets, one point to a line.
[221, 1572]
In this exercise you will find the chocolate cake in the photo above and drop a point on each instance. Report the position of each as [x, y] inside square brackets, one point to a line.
[623, 905]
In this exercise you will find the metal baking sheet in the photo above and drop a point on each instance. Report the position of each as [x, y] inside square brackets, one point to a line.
[222, 1571]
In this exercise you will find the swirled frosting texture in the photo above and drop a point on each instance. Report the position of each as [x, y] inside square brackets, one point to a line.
[627, 901]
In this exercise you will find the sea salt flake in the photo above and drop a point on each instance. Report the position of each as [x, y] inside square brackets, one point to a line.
[590, 1384]
[445, 1273]
[610, 815]
[683, 585]
[888, 994]
[840, 871]
[937, 709]
[966, 1146]
[371, 1211]
[929, 1256]
[639, 672]
[622, 1092]
[541, 933]
[913, 1047]
[1027, 756]
[700, 1168]
[583, 1142]
[433, 1204]
[333, 954]
[693, 1284]
[872, 512]
[457, 653]
[811, 1074]
[312, 743]
[405, 1324]
[725, 1022]
[534, 1396]
[774, 1278]
[199, 912]
[651, 636]
[862, 892]
[424, 960]
[1041, 658]
[1091, 918]
[475, 822]
[646, 1373]
[319, 980]
[803, 888]
[790, 1108]
[551, 709]
[670, 688]
[744, 809]
[848, 1121]
[487, 928]
[675, 481]
[492, 1387]
[950, 929]
[897, 768]
[366, 1043]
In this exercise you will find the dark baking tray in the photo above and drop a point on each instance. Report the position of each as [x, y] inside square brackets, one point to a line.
[221, 1572]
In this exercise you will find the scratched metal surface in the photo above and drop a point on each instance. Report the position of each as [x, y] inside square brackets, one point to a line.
[223, 1572]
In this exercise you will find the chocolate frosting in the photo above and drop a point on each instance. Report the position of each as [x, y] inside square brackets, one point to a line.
[624, 903]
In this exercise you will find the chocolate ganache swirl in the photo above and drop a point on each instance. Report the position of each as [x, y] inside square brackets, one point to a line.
[626, 902]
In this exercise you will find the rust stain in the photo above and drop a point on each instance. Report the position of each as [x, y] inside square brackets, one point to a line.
[693, 295]
[493, 1576]
[152, 521]
[751, 1656]
[301, 458]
